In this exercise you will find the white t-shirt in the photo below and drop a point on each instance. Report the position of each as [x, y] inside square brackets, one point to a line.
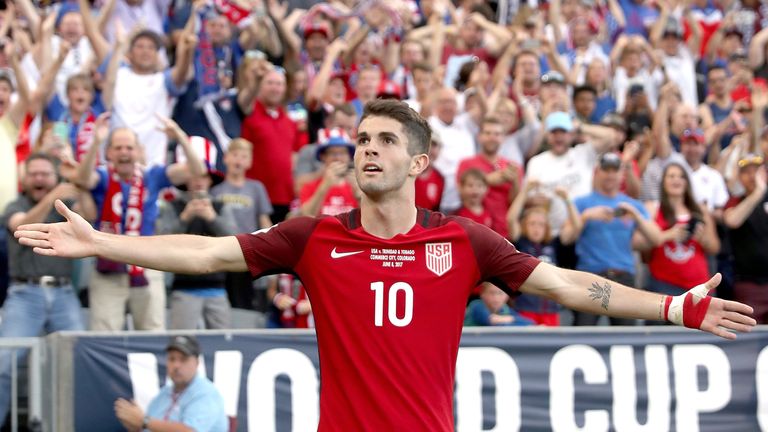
[458, 144]
[709, 187]
[137, 99]
[681, 69]
[516, 145]
[76, 61]
[651, 83]
[572, 170]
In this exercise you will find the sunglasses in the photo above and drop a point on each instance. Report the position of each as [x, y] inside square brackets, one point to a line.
[754, 160]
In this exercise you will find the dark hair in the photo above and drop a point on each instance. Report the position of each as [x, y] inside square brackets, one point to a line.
[715, 67]
[148, 34]
[41, 156]
[464, 73]
[6, 77]
[46, 157]
[584, 88]
[345, 108]
[690, 203]
[414, 126]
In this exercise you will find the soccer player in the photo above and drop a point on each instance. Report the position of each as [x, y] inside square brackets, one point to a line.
[388, 282]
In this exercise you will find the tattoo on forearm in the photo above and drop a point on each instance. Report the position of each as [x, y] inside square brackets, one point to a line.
[602, 293]
[661, 307]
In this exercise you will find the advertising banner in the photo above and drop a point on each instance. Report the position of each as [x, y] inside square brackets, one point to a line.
[570, 379]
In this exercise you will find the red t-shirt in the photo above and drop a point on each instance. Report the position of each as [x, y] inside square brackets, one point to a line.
[679, 264]
[388, 312]
[483, 218]
[339, 199]
[274, 140]
[429, 190]
[497, 200]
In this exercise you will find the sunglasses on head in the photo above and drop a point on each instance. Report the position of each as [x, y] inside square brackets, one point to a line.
[754, 160]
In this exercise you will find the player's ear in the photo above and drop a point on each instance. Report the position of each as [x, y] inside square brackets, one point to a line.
[419, 163]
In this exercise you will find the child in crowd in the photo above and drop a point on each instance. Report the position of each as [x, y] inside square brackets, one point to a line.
[529, 230]
[472, 190]
[491, 309]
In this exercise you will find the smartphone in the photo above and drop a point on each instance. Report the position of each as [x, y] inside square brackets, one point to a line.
[691, 227]
[619, 212]
[61, 130]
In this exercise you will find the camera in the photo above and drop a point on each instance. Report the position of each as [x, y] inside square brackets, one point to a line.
[619, 212]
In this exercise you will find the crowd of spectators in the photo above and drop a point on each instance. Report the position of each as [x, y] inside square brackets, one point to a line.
[621, 137]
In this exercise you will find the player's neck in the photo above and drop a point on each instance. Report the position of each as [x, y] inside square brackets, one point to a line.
[387, 218]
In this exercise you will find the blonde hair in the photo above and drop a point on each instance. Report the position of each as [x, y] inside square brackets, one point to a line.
[240, 144]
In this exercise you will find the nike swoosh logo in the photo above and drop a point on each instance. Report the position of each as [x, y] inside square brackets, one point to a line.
[336, 255]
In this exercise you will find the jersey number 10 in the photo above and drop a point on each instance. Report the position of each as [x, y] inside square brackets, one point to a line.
[378, 314]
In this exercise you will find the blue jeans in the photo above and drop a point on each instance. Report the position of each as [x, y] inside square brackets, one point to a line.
[28, 311]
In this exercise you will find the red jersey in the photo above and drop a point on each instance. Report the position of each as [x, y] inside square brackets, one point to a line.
[483, 218]
[339, 199]
[429, 190]
[388, 312]
[680, 264]
[274, 140]
[497, 200]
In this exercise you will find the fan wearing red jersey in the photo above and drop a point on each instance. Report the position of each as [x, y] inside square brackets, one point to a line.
[389, 282]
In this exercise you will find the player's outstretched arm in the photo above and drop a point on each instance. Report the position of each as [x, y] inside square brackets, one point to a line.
[75, 238]
[587, 292]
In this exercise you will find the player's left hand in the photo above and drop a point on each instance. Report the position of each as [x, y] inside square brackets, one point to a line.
[695, 309]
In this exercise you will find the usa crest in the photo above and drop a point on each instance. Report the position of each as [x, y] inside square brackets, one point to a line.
[439, 258]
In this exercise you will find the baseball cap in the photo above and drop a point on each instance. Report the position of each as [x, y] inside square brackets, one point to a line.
[388, 90]
[333, 137]
[609, 160]
[673, 27]
[750, 159]
[186, 345]
[553, 77]
[317, 28]
[693, 135]
[559, 120]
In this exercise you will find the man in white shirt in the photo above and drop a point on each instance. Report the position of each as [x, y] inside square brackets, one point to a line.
[678, 57]
[566, 166]
[458, 144]
[142, 90]
[708, 185]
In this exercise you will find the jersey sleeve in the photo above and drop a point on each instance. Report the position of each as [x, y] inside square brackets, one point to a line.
[278, 248]
[499, 262]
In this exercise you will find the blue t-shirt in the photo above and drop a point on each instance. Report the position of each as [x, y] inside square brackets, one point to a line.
[607, 245]
[155, 180]
[603, 105]
[477, 314]
[200, 406]
[639, 17]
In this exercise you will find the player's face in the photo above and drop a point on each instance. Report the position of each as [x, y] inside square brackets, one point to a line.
[382, 161]
[181, 368]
